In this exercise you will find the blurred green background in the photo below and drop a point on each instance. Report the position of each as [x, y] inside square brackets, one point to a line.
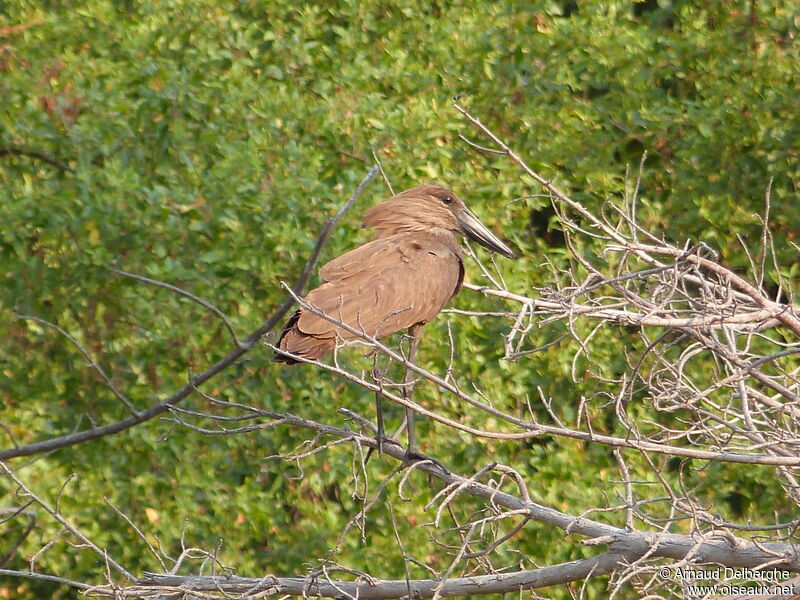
[204, 143]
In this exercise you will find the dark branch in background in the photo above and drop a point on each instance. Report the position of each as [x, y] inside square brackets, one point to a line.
[44, 577]
[6, 515]
[17, 151]
[86, 354]
[230, 358]
[173, 288]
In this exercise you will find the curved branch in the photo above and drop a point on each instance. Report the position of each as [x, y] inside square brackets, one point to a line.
[86, 354]
[17, 151]
[173, 288]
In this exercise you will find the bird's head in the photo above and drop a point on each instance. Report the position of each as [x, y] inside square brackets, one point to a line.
[428, 208]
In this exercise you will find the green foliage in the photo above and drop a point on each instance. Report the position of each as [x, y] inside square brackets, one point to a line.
[204, 146]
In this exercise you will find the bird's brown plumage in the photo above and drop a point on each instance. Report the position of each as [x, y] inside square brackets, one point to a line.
[403, 278]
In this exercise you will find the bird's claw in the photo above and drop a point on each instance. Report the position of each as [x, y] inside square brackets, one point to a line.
[380, 441]
[379, 444]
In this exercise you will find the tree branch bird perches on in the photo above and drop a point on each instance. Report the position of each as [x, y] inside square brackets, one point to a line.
[400, 280]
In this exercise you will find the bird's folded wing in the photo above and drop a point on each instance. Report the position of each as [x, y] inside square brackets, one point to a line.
[383, 287]
[365, 257]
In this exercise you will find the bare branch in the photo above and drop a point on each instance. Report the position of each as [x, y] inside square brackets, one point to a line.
[18, 151]
[154, 585]
[173, 288]
[44, 577]
[86, 354]
[27, 492]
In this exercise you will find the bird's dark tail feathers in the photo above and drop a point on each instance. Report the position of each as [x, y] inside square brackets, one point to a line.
[295, 341]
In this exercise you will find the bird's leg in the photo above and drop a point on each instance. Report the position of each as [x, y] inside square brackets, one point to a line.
[379, 414]
[380, 435]
[378, 377]
[414, 332]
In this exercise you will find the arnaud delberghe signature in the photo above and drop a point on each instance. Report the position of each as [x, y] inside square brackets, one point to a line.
[717, 573]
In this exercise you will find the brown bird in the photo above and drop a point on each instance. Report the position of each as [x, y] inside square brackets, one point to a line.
[400, 280]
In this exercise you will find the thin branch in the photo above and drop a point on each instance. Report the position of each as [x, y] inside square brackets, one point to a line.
[530, 429]
[10, 513]
[72, 529]
[44, 577]
[18, 151]
[173, 288]
[86, 354]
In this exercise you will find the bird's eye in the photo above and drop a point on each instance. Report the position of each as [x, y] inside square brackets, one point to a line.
[447, 200]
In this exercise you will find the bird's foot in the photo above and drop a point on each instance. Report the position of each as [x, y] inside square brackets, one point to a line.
[380, 442]
[413, 456]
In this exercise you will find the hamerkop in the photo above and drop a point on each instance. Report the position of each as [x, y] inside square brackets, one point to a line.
[400, 280]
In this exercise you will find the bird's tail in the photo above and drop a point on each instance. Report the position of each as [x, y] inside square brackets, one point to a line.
[295, 341]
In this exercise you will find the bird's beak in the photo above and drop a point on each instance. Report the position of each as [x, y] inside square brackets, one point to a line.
[474, 229]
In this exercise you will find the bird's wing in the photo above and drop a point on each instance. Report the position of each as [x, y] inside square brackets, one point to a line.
[357, 260]
[385, 286]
